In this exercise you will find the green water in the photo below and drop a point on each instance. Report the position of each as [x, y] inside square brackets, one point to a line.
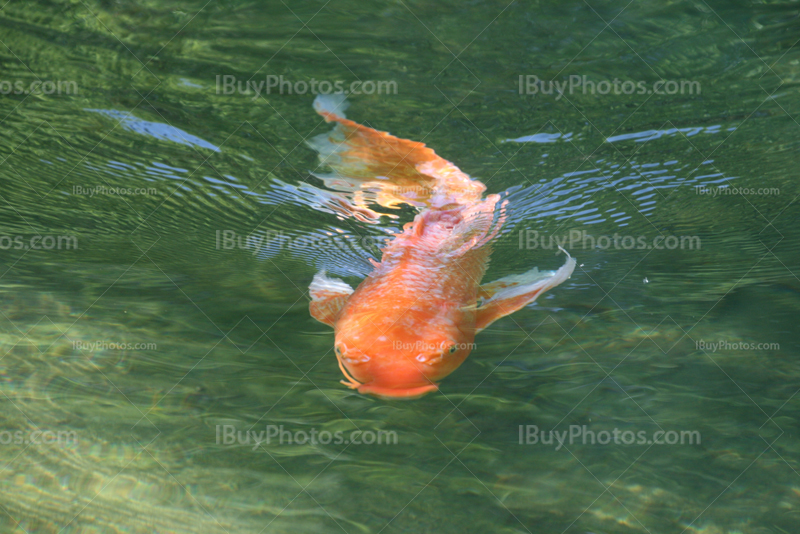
[150, 338]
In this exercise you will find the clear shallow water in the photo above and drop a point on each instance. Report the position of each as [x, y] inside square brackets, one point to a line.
[226, 332]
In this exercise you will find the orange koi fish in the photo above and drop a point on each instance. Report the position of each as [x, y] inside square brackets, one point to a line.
[413, 320]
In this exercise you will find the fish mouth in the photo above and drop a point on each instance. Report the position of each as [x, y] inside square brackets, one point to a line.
[390, 393]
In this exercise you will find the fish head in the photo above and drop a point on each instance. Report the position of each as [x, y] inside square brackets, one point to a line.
[403, 358]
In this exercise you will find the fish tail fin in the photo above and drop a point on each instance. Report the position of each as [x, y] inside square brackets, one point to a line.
[385, 169]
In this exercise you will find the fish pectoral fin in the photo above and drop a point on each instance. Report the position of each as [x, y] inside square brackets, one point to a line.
[328, 297]
[509, 294]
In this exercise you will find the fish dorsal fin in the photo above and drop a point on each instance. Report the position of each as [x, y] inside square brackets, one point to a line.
[478, 226]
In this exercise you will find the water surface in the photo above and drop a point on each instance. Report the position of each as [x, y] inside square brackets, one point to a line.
[153, 335]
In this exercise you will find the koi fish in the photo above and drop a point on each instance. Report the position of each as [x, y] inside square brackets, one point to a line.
[412, 321]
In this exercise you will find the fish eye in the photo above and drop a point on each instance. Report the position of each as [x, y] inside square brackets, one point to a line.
[453, 349]
[338, 350]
